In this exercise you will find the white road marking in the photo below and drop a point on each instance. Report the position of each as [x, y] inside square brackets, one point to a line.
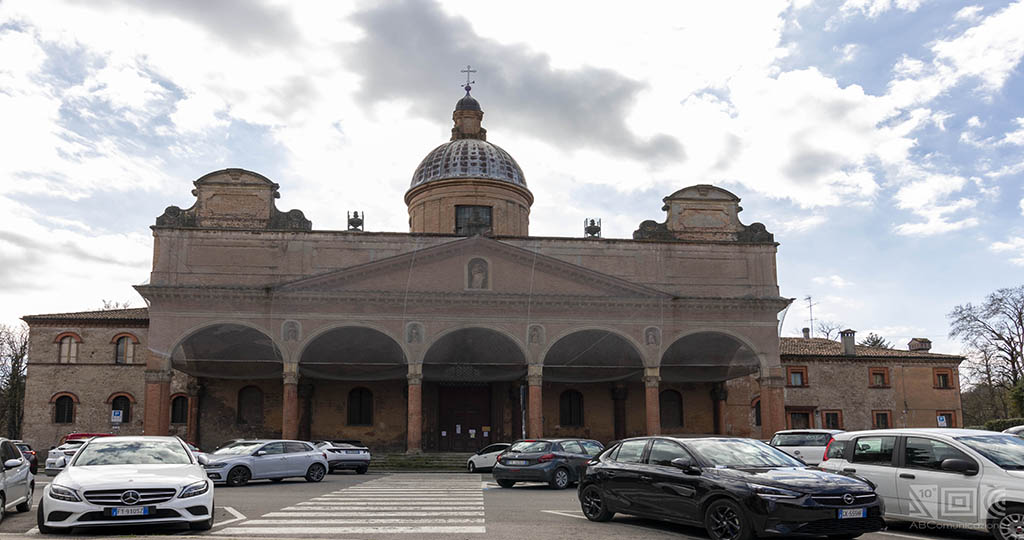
[566, 514]
[32, 532]
[238, 517]
[403, 504]
[898, 535]
[266, 531]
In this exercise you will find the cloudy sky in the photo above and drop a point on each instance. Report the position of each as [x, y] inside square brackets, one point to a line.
[882, 141]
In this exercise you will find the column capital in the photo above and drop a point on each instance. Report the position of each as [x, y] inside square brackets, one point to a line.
[158, 376]
[535, 380]
[652, 381]
[290, 378]
[414, 378]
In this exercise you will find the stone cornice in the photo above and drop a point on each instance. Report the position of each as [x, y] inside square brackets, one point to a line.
[876, 360]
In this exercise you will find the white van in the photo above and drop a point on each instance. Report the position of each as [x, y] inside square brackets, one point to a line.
[953, 478]
[807, 445]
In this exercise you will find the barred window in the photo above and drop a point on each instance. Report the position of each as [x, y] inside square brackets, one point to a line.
[571, 405]
[64, 410]
[360, 407]
[179, 410]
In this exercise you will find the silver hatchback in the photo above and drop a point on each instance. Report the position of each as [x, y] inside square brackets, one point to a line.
[241, 461]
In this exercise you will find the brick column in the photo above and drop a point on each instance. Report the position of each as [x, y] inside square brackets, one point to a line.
[652, 403]
[414, 424]
[718, 397]
[773, 402]
[157, 419]
[194, 388]
[290, 407]
[535, 426]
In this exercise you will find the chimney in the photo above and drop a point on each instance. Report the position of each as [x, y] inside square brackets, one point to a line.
[807, 333]
[846, 337]
[920, 344]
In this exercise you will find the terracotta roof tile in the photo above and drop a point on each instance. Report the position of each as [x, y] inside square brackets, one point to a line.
[133, 314]
[795, 346]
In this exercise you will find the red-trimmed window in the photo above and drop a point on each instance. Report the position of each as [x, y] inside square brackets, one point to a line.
[124, 348]
[796, 376]
[878, 377]
[67, 347]
[881, 419]
[943, 378]
[832, 419]
[64, 409]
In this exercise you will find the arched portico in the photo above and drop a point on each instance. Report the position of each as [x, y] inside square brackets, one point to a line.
[470, 389]
[601, 368]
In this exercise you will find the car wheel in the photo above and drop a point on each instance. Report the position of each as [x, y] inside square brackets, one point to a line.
[1008, 525]
[316, 472]
[239, 476]
[593, 505]
[471, 467]
[724, 521]
[3, 506]
[27, 505]
[361, 470]
[506, 483]
[560, 480]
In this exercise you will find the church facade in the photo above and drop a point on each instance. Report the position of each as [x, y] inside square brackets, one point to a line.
[464, 330]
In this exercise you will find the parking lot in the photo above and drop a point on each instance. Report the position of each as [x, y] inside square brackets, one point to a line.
[347, 505]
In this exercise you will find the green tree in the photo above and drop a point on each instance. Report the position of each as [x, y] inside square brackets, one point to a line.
[875, 340]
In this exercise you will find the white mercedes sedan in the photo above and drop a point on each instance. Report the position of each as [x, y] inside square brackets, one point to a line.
[128, 481]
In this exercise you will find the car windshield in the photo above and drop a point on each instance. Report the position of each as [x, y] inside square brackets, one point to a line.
[801, 439]
[238, 449]
[133, 452]
[530, 446]
[742, 454]
[1007, 451]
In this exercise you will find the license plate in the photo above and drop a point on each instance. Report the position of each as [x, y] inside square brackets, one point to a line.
[130, 511]
[852, 513]
[353, 451]
[517, 462]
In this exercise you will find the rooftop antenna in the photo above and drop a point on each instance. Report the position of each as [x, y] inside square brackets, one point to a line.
[810, 310]
[468, 71]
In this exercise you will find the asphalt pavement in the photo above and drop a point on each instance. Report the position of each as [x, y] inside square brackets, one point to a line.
[445, 506]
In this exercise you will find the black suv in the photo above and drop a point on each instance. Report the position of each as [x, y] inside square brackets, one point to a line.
[559, 462]
[735, 488]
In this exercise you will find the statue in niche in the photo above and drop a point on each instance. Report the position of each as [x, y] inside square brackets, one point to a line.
[651, 336]
[415, 334]
[291, 331]
[536, 337]
[478, 274]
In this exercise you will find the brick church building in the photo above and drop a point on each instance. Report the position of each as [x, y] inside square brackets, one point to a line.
[464, 330]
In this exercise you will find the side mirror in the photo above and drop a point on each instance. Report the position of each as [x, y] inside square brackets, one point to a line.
[260, 453]
[962, 466]
[12, 463]
[686, 465]
[203, 460]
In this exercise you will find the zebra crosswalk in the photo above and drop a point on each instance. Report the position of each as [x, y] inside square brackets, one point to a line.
[407, 503]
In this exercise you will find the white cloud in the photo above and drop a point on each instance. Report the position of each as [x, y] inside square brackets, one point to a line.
[1015, 138]
[833, 280]
[969, 13]
[1022, 207]
[848, 52]
[797, 225]
[927, 197]
[874, 8]
[1013, 246]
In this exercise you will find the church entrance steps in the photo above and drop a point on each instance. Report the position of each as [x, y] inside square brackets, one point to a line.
[431, 461]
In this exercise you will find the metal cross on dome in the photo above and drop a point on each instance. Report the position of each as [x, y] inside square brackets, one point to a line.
[468, 71]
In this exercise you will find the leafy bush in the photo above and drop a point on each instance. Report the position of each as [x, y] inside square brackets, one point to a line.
[1000, 424]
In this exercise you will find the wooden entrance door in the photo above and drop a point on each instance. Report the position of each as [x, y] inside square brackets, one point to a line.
[464, 412]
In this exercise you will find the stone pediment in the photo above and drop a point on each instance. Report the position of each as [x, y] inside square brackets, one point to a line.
[703, 213]
[473, 266]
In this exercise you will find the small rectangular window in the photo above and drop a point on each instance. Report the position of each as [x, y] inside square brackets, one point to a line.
[796, 376]
[879, 377]
[832, 419]
[470, 220]
[799, 420]
[943, 378]
[881, 419]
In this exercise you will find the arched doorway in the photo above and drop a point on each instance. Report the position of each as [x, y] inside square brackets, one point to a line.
[700, 364]
[471, 391]
[606, 369]
[352, 380]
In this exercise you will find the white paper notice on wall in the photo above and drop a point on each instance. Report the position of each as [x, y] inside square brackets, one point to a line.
[472, 434]
[458, 429]
[444, 433]
[487, 433]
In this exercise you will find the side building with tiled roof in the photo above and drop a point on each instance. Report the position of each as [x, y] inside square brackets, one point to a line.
[841, 385]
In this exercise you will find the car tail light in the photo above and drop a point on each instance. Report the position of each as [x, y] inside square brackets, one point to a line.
[324, 454]
[827, 446]
[545, 458]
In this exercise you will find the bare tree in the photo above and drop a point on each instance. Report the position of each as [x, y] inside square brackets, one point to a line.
[114, 304]
[995, 329]
[13, 356]
[828, 329]
[875, 340]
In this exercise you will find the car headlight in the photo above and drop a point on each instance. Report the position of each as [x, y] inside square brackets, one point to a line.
[773, 493]
[64, 493]
[192, 490]
[215, 465]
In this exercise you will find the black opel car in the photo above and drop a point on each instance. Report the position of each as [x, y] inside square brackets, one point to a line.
[736, 488]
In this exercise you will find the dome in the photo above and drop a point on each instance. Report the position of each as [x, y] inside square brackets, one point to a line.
[467, 103]
[468, 158]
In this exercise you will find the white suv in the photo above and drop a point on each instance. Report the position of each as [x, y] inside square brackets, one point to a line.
[951, 478]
